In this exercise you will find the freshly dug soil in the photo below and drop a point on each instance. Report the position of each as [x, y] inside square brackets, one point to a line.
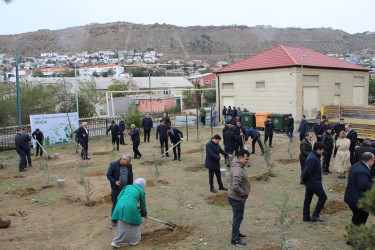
[4, 223]
[23, 191]
[287, 161]
[153, 183]
[195, 168]
[270, 247]
[165, 236]
[151, 163]
[71, 200]
[191, 151]
[100, 153]
[261, 178]
[217, 199]
[338, 188]
[334, 206]
[44, 158]
[95, 173]
[105, 199]
[47, 186]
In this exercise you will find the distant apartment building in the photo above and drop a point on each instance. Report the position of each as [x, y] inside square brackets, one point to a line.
[88, 71]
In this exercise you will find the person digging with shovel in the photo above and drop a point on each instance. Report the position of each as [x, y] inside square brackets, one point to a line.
[176, 136]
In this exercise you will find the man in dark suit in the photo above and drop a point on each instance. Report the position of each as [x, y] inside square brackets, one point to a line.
[268, 131]
[312, 178]
[26, 140]
[359, 181]
[366, 147]
[255, 135]
[290, 127]
[162, 136]
[147, 125]
[176, 136]
[303, 127]
[318, 129]
[83, 139]
[234, 113]
[166, 119]
[115, 132]
[38, 136]
[122, 126]
[20, 148]
[327, 140]
[230, 140]
[305, 148]
[212, 162]
[135, 139]
[227, 126]
[224, 113]
[119, 174]
[351, 134]
[240, 132]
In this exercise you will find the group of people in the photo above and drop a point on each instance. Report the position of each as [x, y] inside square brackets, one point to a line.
[232, 113]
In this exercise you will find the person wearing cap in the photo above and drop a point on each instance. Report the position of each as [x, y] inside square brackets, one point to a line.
[327, 140]
[212, 162]
[38, 136]
[176, 136]
[127, 214]
[268, 131]
[116, 132]
[290, 127]
[119, 174]
[20, 148]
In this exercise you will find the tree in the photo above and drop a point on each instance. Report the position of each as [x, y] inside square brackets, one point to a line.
[140, 71]
[120, 85]
[191, 100]
[95, 74]
[89, 90]
[209, 95]
[37, 73]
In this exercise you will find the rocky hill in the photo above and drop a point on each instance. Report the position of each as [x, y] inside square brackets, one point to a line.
[196, 42]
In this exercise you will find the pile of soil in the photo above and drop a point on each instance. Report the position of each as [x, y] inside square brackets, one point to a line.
[195, 168]
[153, 183]
[23, 191]
[217, 199]
[47, 186]
[100, 153]
[287, 161]
[338, 188]
[105, 199]
[165, 236]
[71, 200]
[191, 151]
[261, 178]
[151, 163]
[4, 223]
[334, 206]
[95, 173]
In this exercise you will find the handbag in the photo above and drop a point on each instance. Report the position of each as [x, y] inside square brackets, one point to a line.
[140, 207]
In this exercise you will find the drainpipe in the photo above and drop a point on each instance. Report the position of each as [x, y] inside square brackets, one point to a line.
[218, 97]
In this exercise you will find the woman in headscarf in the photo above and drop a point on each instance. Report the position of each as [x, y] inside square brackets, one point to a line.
[342, 160]
[127, 214]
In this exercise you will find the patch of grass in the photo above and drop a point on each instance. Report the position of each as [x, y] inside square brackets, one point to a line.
[50, 197]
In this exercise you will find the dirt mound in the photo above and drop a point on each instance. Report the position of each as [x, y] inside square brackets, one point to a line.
[23, 191]
[287, 161]
[44, 158]
[151, 163]
[100, 153]
[261, 178]
[153, 183]
[4, 223]
[105, 199]
[195, 168]
[217, 199]
[71, 200]
[191, 151]
[338, 188]
[95, 173]
[334, 206]
[165, 236]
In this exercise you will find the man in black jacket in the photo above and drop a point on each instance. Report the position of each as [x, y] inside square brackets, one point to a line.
[231, 140]
[176, 136]
[240, 132]
[366, 147]
[290, 127]
[255, 135]
[234, 113]
[26, 141]
[318, 130]
[359, 181]
[166, 119]
[227, 126]
[312, 178]
[116, 131]
[135, 139]
[305, 148]
[20, 148]
[351, 134]
[327, 140]
[83, 139]
[268, 131]
[147, 125]
[122, 126]
[119, 174]
[224, 113]
[161, 131]
[39, 137]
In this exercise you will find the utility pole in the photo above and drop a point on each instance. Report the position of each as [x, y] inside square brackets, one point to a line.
[149, 83]
[75, 76]
[18, 93]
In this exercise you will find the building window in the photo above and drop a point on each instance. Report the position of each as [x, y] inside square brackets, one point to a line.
[143, 102]
[260, 85]
[207, 81]
[227, 85]
[213, 82]
[359, 79]
[310, 78]
[338, 85]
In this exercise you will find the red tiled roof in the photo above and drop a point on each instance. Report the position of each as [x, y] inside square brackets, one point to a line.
[287, 56]
[100, 66]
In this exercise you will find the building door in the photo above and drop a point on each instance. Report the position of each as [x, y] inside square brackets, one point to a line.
[228, 101]
[311, 103]
[336, 101]
[358, 96]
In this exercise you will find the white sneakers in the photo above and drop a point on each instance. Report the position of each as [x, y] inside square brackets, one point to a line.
[133, 244]
[115, 245]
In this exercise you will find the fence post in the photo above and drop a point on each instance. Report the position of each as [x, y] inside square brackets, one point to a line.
[187, 129]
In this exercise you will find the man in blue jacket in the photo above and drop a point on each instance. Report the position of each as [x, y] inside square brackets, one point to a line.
[303, 128]
[135, 139]
[213, 151]
[312, 178]
[26, 140]
[161, 131]
[255, 135]
[20, 148]
[359, 181]
[83, 139]
[240, 132]
[176, 136]
[147, 125]
[122, 126]
[268, 131]
[318, 129]
[119, 174]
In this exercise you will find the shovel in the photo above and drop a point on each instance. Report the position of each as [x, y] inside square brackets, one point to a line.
[48, 157]
[170, 149]
[243, 143]
[170, 224]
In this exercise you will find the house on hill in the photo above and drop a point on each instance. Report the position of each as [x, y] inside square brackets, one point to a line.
[287, 79]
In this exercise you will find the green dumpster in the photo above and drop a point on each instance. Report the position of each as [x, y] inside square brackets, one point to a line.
[248, 119]
[279, 121]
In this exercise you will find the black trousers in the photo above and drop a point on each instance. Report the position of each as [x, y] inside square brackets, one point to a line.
[326, 160]
[162, 143]
[146, 135]
[114, 194]
[85, 148]
[266, 136]
[301, 136]
[238, 147]
[28, 156]
[255, 140]
[302, 162]
[122, 140]
[117, 141]
[308, 198]
[352, 157]
[178, 149]
[211, 173]
[359, 216]
[135, 149]
[38, 148]
[203, 120]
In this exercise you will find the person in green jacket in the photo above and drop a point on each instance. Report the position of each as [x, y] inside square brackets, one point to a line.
[128, 216]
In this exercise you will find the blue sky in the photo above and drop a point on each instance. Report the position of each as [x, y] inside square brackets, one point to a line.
[30, 15]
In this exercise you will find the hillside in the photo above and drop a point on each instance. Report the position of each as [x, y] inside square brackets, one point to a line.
[196, 42]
